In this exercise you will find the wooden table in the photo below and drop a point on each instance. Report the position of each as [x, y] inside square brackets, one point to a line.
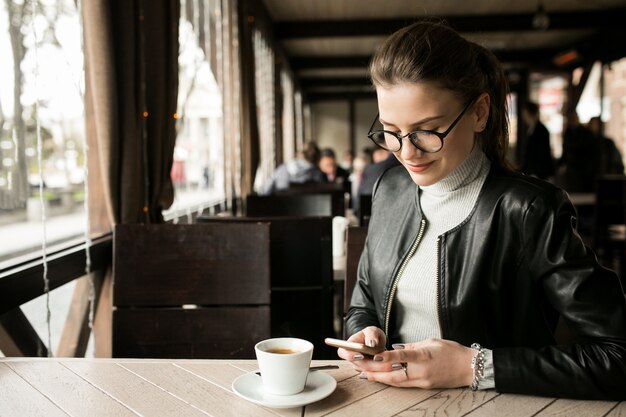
[130, 387]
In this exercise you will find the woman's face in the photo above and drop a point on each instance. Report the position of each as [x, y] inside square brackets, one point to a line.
[407, 107]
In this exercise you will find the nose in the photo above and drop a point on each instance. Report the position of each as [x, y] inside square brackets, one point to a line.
[409, 151]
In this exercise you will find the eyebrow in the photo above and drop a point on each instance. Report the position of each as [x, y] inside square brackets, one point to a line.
[414, 124]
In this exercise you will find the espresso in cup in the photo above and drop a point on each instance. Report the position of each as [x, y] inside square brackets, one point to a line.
[284, 364]
[283, 351]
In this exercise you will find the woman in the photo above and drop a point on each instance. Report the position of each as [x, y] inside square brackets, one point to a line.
[468, 266]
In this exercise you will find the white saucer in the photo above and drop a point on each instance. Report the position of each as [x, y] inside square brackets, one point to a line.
[318, 385]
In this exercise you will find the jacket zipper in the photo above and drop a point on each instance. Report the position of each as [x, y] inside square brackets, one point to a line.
[438, 281]
[394, 285]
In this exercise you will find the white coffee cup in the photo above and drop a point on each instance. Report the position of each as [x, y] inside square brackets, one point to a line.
[284, 364]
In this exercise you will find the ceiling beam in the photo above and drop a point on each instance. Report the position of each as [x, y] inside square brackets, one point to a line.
[339, 96]
[306, 62]
[480, 23]
[324, 62]
[312, 82]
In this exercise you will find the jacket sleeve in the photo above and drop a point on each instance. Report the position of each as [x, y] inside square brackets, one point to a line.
[590, 300]
[362, 311]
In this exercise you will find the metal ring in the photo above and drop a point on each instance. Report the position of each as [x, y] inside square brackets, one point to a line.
[405, 369]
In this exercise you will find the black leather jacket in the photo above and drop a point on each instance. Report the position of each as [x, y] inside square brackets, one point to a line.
[505, 276]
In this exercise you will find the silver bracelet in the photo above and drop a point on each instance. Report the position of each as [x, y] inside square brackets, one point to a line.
[478, 365]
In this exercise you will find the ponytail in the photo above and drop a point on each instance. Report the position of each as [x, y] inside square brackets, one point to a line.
[495, 138]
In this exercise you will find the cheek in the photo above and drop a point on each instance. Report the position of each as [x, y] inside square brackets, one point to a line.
[457, 152]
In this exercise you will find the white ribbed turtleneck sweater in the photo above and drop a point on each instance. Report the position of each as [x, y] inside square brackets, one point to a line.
[445, 205]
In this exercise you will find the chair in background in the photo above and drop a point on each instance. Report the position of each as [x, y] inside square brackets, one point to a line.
[294, 205]
[609, 231]
[356, 236]
[365, 209]
[301, 277]
[336, 191]
[190, 291]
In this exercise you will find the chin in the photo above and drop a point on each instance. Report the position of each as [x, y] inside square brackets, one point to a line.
[423, 180]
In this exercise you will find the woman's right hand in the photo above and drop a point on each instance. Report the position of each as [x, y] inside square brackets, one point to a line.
[371, 336]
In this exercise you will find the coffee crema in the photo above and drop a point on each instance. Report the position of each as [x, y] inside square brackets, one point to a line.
[283, 351]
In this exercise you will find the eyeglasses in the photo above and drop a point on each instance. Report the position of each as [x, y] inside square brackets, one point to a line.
[428, 141]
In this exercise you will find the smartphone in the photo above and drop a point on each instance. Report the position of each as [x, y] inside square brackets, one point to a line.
[354, 346]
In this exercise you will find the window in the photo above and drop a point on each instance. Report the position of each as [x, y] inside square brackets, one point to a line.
[198, 168]
[41, 126]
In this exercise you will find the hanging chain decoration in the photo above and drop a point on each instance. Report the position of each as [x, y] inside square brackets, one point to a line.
[46, 279]
[145, 113]
[88, 242]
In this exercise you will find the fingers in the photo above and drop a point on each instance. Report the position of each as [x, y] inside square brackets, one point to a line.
[371, 336]
[427, 364]
[396, 377]
[390, 360]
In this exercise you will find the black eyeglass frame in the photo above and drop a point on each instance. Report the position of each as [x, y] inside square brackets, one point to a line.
[412, 135]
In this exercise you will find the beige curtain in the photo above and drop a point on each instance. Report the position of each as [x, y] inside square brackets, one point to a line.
[131, 55]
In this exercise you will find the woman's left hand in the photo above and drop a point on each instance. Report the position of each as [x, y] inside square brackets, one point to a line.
[433, 363]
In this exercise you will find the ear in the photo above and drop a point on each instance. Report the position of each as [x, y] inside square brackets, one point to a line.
[480, 113]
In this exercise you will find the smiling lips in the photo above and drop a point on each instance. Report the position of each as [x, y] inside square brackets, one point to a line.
[420, 167]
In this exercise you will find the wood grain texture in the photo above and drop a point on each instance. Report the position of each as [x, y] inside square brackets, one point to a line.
[388, 401]
[568, 408]
[198, 391]
[68, 391]
[162, 387]
[19, 398]
[135, 392]
[618, 411]
[452, 402]
[509, 405]
[349, 391]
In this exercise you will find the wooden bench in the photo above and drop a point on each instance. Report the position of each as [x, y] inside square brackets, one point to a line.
[301, 274]
[191, 291]
[294, 205]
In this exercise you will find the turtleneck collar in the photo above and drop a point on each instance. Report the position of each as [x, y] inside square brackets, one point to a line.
[468, 171]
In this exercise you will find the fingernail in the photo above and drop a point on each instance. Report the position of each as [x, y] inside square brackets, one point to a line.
[358, 357]
[371, 343]
[396, 366]
[362, 376]
[398, 346]
[378, 358]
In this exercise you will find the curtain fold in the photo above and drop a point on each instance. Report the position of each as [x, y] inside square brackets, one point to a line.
[131, 54]
[250, 144]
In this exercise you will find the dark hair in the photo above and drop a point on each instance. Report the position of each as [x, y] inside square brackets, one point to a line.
[429, 51]
[311, 152]
[532, 108]
[327, 152]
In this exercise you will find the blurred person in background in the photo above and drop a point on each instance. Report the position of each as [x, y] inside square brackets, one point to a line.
[347, 159]
[580, 159]
[610, 158]
[302, 169]
[328, 165]
[537, 156]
